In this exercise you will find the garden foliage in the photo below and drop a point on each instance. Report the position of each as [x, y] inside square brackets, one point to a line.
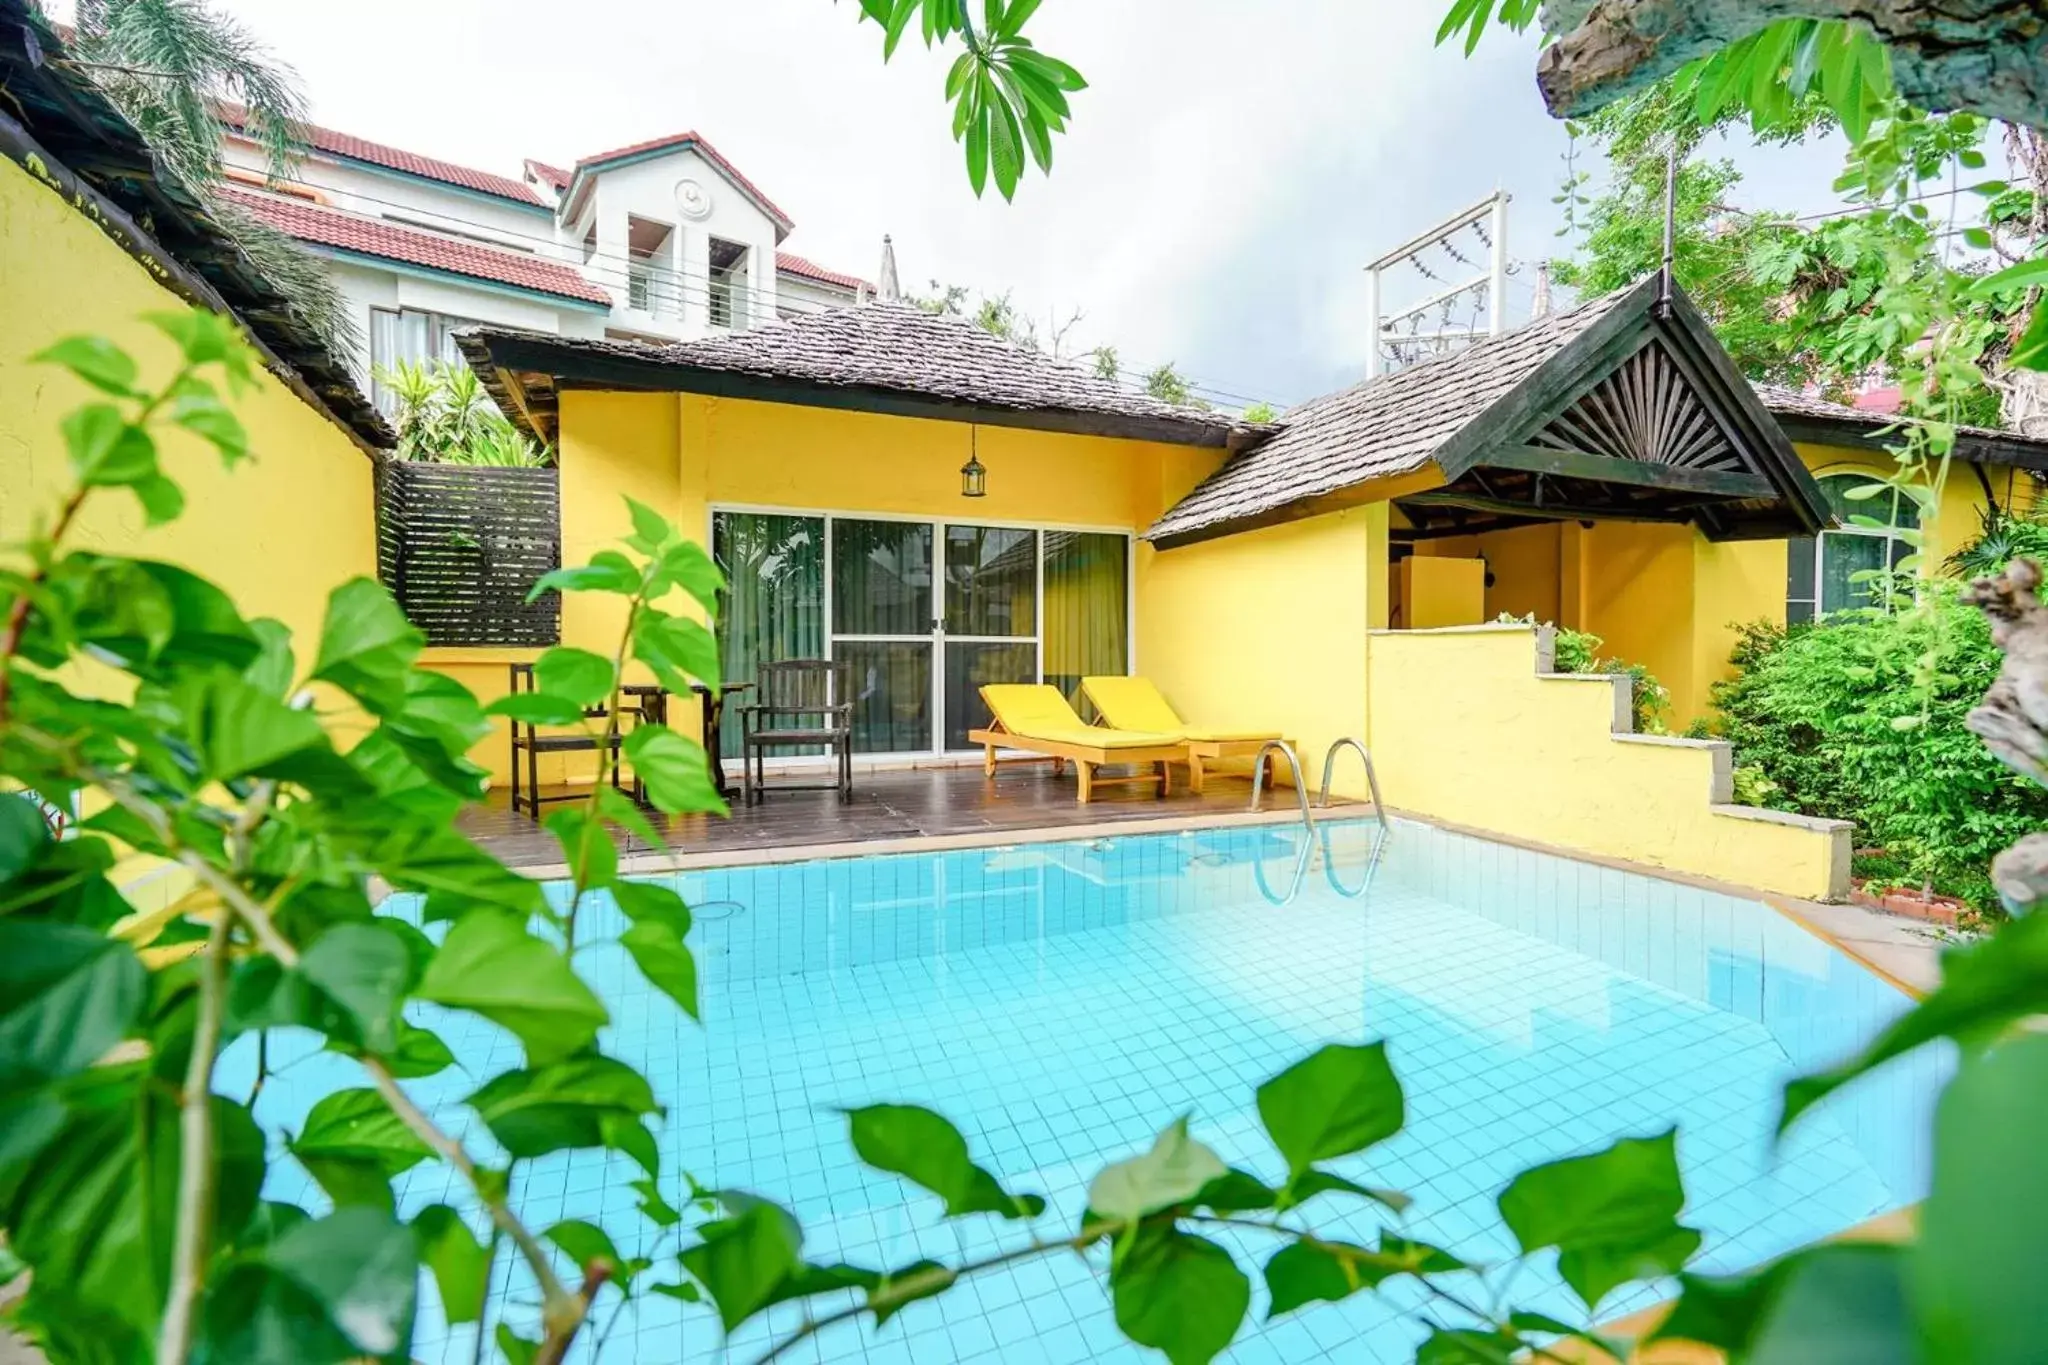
[1863, 719]
[282, 779]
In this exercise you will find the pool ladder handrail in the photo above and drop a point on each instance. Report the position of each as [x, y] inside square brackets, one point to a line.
[1372, 778]
[1308, 820]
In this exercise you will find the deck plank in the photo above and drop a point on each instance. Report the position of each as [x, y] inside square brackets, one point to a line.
[895, 804]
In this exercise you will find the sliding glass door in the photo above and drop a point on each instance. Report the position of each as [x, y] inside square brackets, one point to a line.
[926, 612]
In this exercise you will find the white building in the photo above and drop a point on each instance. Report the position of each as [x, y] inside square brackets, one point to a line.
[661, 241]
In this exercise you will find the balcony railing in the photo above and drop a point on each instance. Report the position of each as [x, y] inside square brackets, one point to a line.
[652, 288]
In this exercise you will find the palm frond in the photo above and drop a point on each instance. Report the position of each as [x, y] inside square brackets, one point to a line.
[299, 275]
[172, 64]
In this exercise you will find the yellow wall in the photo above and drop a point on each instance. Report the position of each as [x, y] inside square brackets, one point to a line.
[684, 454]
[1440, 591]
[1463, 729]
[278, 533]
[1268, 629]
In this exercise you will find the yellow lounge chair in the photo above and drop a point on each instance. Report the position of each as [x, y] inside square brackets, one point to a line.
[1135, 704]
[1034, 717]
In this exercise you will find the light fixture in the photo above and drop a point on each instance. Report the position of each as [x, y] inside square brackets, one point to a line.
[973, 474]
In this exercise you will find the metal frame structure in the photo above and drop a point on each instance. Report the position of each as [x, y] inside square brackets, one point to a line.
[1491, 284]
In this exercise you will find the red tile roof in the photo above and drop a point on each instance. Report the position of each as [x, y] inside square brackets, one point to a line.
[546, 174]
[410, 163]
[679, 141]
[788, 264]
[349, 232]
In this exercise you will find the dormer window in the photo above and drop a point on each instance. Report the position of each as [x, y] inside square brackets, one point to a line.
[730, 284]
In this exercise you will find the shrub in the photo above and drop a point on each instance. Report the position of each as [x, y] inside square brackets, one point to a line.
[1862, 719]
[1578, 651]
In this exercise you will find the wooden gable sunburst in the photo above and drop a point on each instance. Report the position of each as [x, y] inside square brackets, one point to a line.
[1643, 417]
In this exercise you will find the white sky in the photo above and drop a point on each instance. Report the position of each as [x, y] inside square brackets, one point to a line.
[1225, 177]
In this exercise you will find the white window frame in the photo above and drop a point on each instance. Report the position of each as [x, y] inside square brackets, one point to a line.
[937, 638]
[1890, 536]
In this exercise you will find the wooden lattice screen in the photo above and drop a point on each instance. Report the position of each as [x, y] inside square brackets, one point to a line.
[461, 546]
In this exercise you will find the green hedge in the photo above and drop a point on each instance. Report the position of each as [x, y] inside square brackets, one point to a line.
[1861, 718]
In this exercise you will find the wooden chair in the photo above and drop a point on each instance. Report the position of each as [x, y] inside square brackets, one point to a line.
[798, 702]
[528, 740]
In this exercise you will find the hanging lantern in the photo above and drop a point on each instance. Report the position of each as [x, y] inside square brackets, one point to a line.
[973, 474]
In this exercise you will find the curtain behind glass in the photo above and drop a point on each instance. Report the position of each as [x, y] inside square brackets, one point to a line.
[1087, 608]
[881, 577]
[774, 568]
[991, 581]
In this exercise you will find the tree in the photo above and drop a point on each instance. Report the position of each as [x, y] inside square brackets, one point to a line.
[170, 66]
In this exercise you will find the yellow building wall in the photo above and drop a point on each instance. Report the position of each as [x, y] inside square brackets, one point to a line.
[1440, 591]
[1464, 730]
[279, 532]
[1267, 630]
[686, 454]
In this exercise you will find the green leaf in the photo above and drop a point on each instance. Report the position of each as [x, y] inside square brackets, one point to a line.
[1843, 1304]
[367, 646]
[563, 1107]
[1175, 1171]
[651, 902]
[204, 337]
[516, 1349]
[1722, 1311]
[206, 417]
[420, 1052]
[1339, 1100]
[1179, 1294]
[651, 531]
[685, 565]
[743, 1260]
[243, 731]
[357, 1125]
[587, 847]
[2030, 352]
[536, 708]
[96, 360]
[461, 1264]
[1300, 1273]
[491, 966]
[653, 1207]
[323, 1292]
[1612, 1214]
[1986, 986]
[365, 969]
[614, 574]
[1990, 1184]
[677, 649]
[1468, 1346]
[585, 1244]
[675, 769]
[23, 832]
[581, 676]
[1236, 1191]
[1311, 1183]
[67, 995]
[105, 450]
[664, 961]
[923, 1148]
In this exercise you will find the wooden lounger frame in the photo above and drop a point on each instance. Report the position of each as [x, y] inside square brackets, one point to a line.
[1086, 758]
[1202, 749]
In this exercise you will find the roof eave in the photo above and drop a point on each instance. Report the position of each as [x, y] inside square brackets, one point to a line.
[507, 354]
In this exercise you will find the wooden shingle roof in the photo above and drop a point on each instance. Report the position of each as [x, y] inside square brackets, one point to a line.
[1375, 429]
[1625, 407]
[880, 357]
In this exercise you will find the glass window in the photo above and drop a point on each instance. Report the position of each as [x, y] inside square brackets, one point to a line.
[991, 581]
[774, 569]
[406, 334]
[881, 577]
[1821, 571]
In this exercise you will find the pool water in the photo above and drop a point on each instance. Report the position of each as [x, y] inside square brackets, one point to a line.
[1062, 1002]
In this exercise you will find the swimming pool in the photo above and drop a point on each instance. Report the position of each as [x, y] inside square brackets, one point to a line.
[1063, 1001]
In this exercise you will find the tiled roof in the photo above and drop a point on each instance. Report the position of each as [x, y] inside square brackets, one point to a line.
[1384, 426]
[882, 348]
[410, 163]
[548, 175]
[789, 264]
[691, 140]
[1787, 402]
[349, 232]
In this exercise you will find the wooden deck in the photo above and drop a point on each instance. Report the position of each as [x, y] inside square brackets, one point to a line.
[887, 805]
